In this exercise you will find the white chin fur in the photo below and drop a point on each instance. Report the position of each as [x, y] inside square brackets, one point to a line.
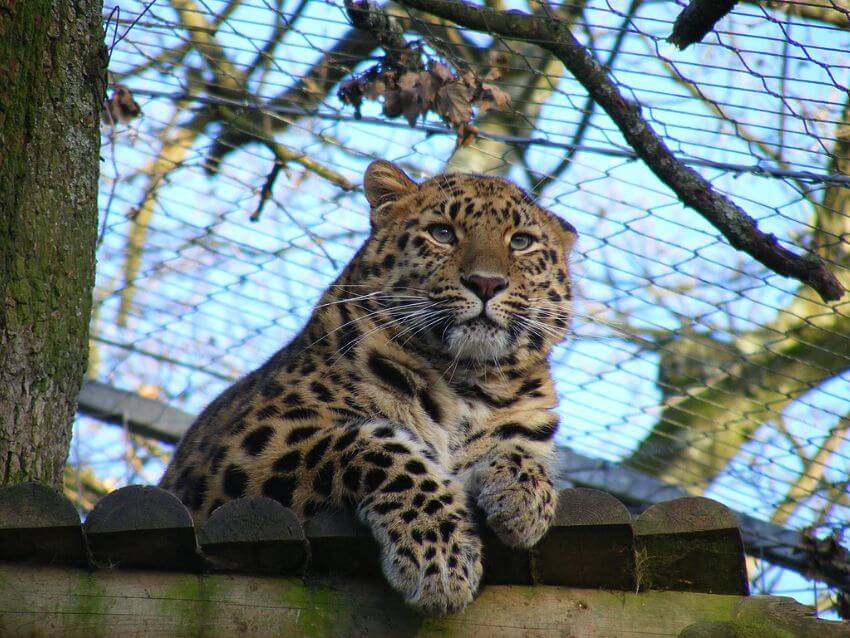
[478, 342]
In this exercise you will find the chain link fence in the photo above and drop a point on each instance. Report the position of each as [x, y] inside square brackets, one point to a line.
[232, 154]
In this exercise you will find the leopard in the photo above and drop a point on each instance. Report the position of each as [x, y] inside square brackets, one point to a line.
[418, 395]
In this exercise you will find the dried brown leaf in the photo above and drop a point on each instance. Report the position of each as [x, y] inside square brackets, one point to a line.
[120, 107]
[466, 134]
[374, 89]
[441, 72]
[426, 87]
[351, 92]
[498, 61]
[412, 111]
[453, 103]
[470, 80]
[408, 81]
[412, 103]
[492, 98]
[393, 106]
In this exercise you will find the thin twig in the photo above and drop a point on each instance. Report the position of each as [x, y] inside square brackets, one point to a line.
[266, 191]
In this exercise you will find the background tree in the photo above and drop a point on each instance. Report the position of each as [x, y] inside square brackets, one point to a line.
[52, 82]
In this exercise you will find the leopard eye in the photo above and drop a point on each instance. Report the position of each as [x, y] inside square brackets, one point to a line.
[442, 233]
[521, 241]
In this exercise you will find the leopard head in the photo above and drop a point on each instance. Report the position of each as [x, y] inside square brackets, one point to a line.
[467, 266]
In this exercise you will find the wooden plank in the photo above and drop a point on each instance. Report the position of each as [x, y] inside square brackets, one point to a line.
[42, 601]
[590, 543]
[254, 535]
[690, 544]
[40, 524]
[341, 546]
[147, 417]
[771, 617]
[142, 526]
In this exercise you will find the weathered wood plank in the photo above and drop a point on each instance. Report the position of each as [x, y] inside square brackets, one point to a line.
[590, 543]
[690, 544]
[142, 526]
[44, 601]
[254, 535]
[341, 546]
[39, 524]
[771, 617]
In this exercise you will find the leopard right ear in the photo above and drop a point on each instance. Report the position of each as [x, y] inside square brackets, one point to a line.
[385, 182]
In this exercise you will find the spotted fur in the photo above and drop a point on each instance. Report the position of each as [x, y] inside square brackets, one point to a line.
[419, 388]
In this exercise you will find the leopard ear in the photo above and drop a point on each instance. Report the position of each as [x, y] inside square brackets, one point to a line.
[385, 182]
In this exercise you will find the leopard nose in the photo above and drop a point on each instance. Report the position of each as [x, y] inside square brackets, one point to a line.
[485, 287]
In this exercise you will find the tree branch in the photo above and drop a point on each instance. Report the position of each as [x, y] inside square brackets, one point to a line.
[812, 472]
[697, 434]
[697, 19]
[734, 223]
[834, 12]
[542, 181]
[170, 157]
[202, 34]
[284, 154]
[806, 344]
[307, 92]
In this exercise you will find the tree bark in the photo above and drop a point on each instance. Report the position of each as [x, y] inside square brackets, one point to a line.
[52, 83]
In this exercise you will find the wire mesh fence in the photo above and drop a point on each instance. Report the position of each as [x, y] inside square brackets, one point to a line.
[230, 200]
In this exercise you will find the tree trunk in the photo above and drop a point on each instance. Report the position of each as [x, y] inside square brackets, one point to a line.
[52, 82]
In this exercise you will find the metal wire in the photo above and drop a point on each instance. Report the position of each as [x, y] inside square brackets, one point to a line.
[667, 310]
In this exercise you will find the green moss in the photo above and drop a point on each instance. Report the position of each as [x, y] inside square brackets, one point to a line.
[198, 618]
[89, 603]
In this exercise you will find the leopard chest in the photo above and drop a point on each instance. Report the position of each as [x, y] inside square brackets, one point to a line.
[423, 402]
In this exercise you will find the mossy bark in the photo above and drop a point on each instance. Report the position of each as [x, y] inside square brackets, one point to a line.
[52, 83]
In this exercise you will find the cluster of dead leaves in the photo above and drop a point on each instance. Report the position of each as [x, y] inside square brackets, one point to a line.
[121, 107]
[413, 93]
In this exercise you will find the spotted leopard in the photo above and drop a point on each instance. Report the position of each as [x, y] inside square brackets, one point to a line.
[418, 390]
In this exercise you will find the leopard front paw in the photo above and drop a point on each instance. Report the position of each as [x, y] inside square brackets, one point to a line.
[518, 499]
[436, 566]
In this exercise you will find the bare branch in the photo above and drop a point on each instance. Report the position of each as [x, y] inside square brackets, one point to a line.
[306, 93]
[281, 28]
[697, 435]
[386, 31]
[834, 12]
[283, 153]
[812, 472]
[174, 55]
[542, 181]
[733, 222]
[772, 152]
[202, 34]
[170, 157]
[697, 19]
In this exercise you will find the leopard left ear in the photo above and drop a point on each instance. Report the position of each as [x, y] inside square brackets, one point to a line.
[385, 182]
